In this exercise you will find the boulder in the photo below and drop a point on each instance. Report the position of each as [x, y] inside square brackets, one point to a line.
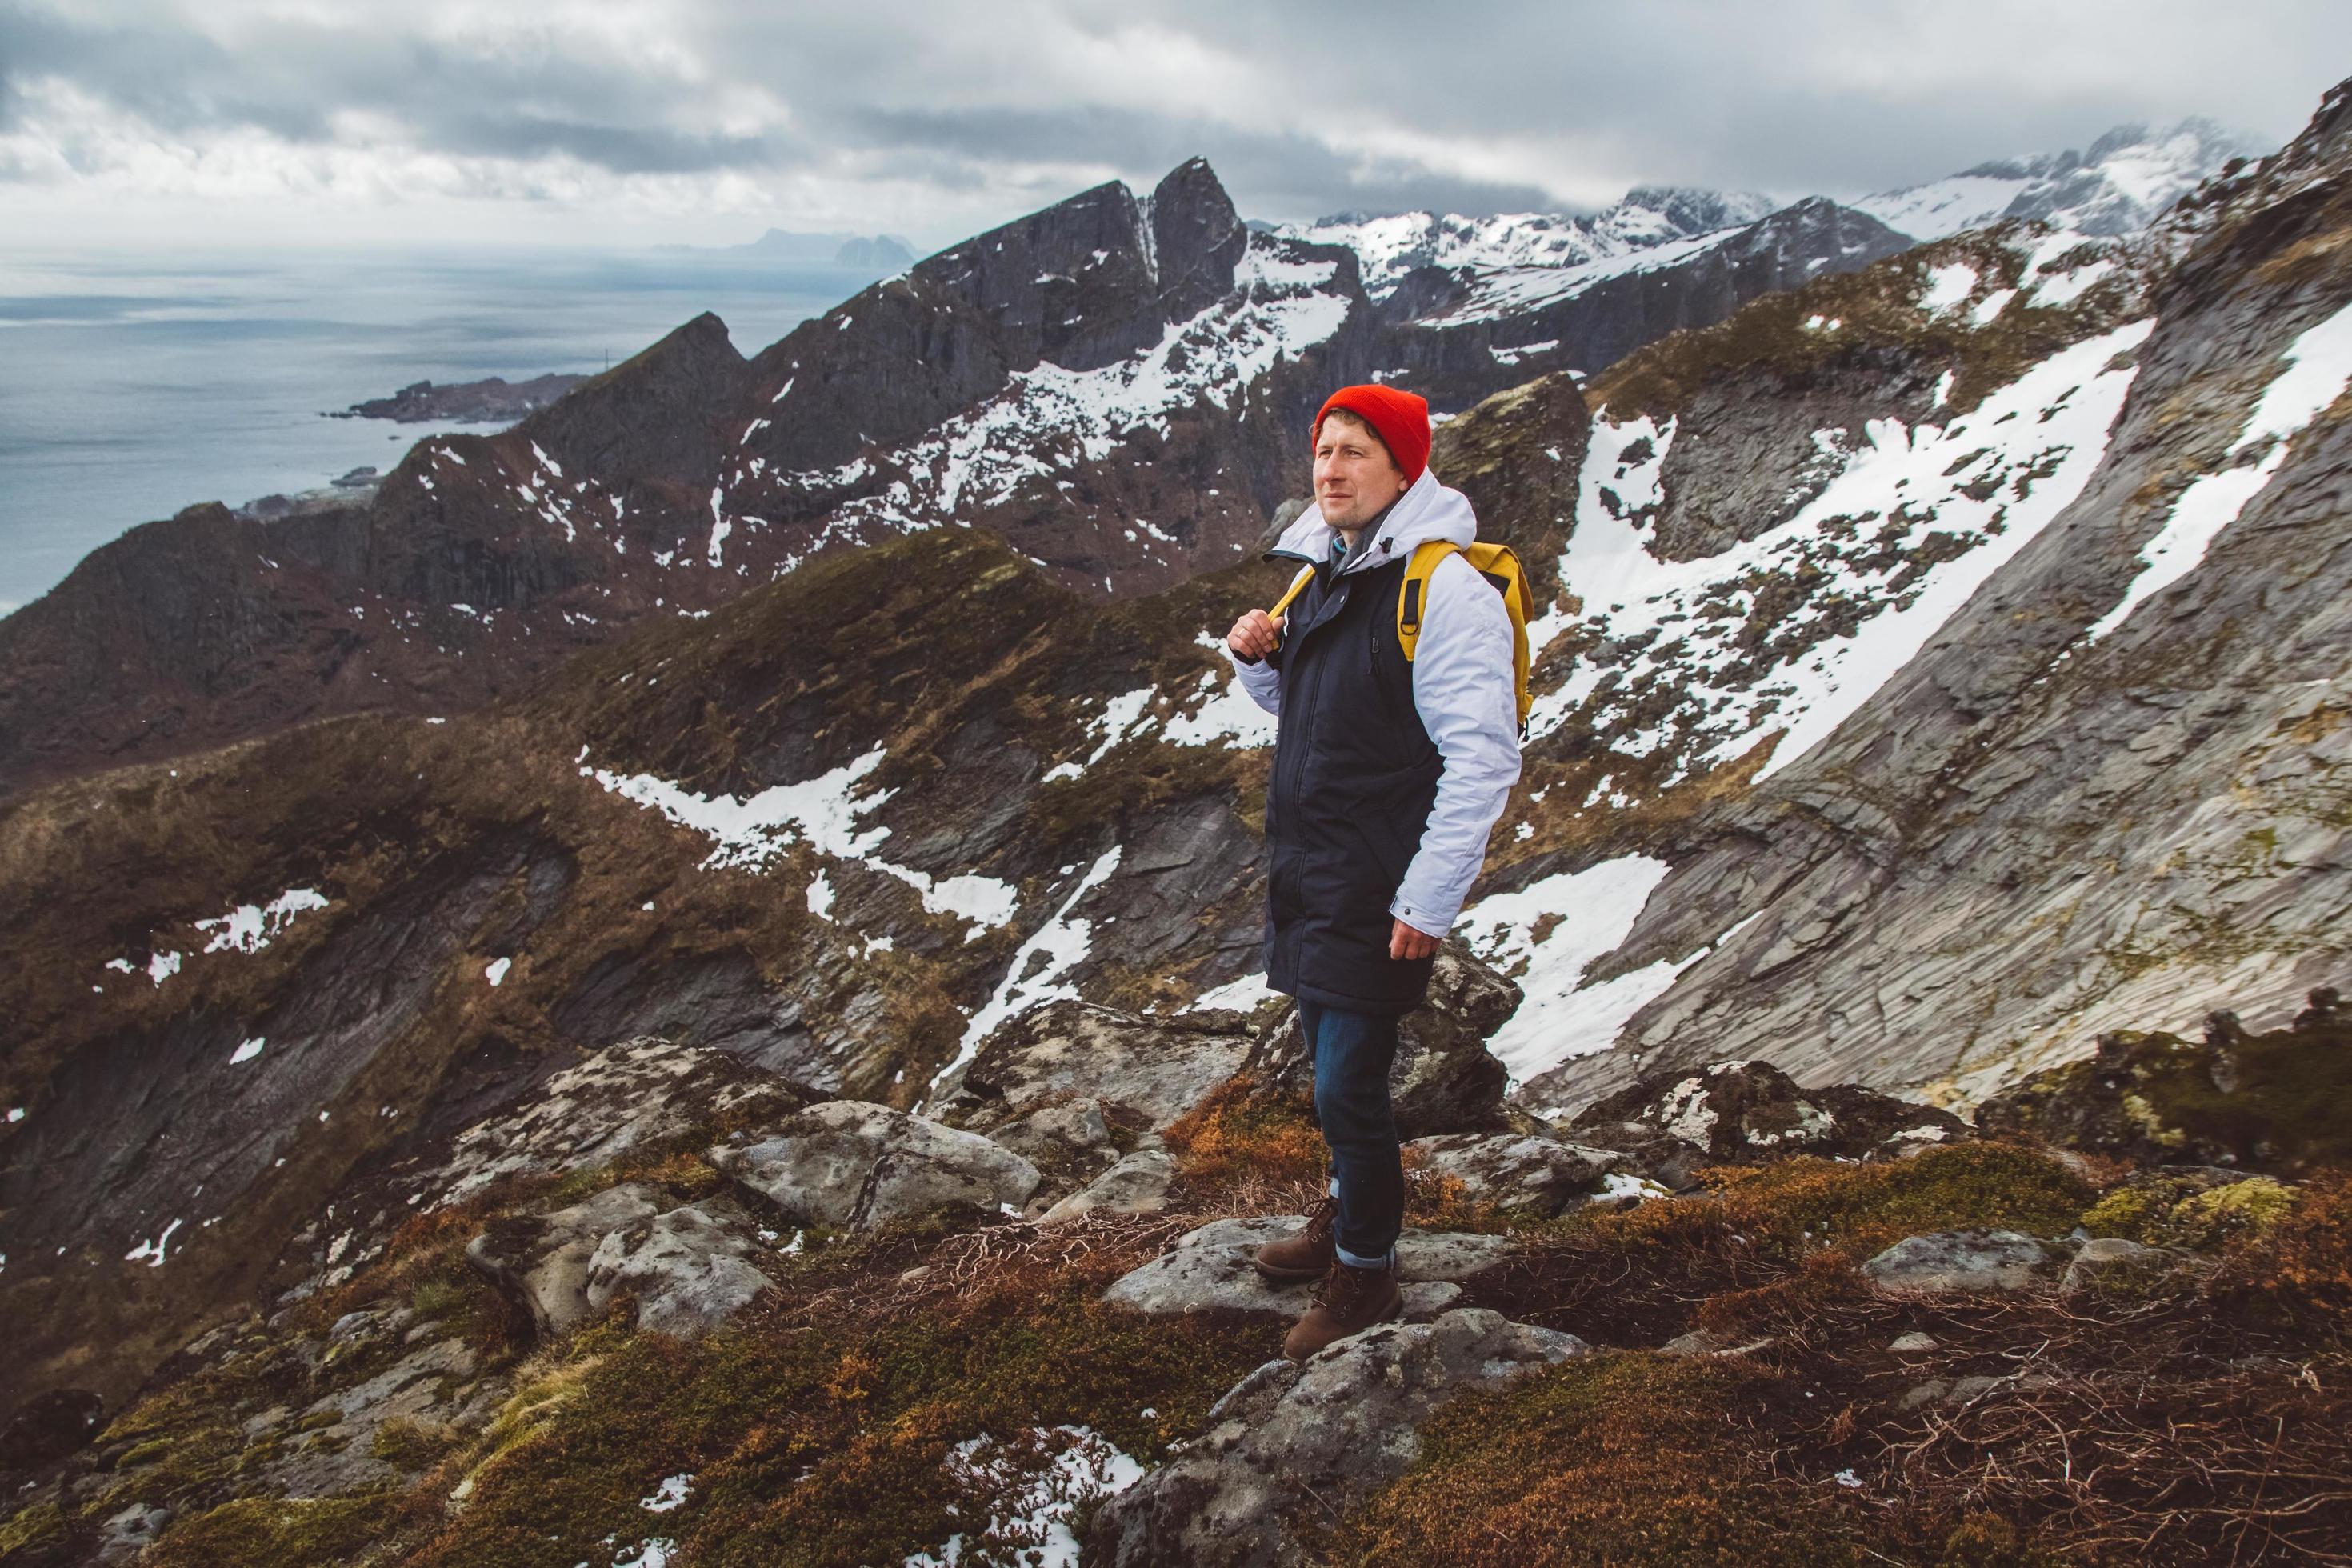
[1752, 1111]
[857, 1165]
[129, 1532]
[1158, 1068]
[1209, 1269]
[2112, 1265]
[1952, 1261]
[1303, 1441]
[1519, 1171]
[1059, 1133]
[1137, 1184]
[542, 1260]
[2269, 1102]
[1653, 1155]
[689, 1268]
[1443, 1079]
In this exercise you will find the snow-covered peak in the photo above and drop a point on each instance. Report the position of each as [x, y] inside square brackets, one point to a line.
[2118, 187]
[1389, 245]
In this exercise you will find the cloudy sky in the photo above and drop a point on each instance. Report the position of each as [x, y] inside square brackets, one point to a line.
[632, 121]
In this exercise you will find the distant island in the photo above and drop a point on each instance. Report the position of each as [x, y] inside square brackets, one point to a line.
[865, 252]
[469, 402]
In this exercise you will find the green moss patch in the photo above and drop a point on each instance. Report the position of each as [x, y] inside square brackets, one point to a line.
[1637, 1278]
[2296, 1273]
[2279, 1103]
[279, 1533]
[829, 1444]
[32, 1534]
[2163, 1210]
[1625, 1459]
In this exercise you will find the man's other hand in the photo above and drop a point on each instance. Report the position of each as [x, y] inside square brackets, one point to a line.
[1406, 943]
[1253, 635]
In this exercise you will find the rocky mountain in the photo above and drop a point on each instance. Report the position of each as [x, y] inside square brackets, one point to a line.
[1116, 385]
[1392, 247]
[795, 1080]
[2118, 185]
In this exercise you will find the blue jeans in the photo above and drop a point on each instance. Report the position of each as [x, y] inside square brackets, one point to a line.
[1352, 1052]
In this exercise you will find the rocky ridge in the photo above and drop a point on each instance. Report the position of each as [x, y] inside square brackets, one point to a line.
[1115, 384]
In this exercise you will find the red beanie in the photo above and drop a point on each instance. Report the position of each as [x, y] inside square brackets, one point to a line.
[1400, 419]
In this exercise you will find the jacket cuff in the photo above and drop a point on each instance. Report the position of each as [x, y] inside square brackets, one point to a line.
[1424, 920]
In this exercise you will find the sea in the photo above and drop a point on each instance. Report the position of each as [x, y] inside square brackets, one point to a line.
[132, 386]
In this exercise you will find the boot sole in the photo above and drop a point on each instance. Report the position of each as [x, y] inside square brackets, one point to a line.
[1289, 1276]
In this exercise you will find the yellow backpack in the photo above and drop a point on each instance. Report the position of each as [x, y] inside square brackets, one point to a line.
[1494, 563]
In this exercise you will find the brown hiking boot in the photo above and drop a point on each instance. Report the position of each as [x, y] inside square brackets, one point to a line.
[1305, 1256]
[1348, 1301]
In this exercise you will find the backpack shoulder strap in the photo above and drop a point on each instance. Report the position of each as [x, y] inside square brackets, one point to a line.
[1413, 593]
[1500, 565]
[1297, 586]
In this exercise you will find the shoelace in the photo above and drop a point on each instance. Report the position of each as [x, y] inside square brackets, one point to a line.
[1320, 1217]
[1341, 1286]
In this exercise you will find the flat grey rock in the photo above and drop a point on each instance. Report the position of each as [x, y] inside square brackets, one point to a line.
[1156, 1068]
[1139, 1184]
[688, 1269]
[1953, 1262]
[1075, 1127]
[613, 1101]
[2111, 1262]
[1295, 1440]
[1520, 1171]
[857, 1165]
[1210, 1269]
[542, 1260]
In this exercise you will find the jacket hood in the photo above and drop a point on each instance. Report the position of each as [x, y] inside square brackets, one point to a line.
[1427, 510]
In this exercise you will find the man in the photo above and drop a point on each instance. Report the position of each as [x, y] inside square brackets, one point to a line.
[1387, 775]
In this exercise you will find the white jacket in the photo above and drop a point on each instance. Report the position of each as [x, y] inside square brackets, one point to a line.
[1463, 688]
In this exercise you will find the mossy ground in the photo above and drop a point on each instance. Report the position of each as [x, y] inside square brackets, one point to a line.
[817, 1428]
[1631, 1459]
[2185, 1425]
[1643, 1276]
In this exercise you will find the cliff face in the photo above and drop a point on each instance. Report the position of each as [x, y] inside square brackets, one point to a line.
[2101, 790]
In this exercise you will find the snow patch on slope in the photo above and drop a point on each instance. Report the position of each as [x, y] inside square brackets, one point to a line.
[2319, 368]
[1035, 973]
[822, 812]
[1041, 1480]
[1545, 936]
[1989, 481]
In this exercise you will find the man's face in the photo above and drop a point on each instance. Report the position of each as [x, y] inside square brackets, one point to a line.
[1354, 474]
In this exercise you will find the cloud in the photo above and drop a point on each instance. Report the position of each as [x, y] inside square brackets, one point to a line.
[934, 119]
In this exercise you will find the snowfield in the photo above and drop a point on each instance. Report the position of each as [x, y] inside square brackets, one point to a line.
[1990, 480]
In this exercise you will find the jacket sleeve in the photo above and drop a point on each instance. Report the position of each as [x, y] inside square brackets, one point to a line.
[1262, 681]
[1465, 691]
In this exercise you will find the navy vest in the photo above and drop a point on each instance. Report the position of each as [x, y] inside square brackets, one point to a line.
[1355, 774]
